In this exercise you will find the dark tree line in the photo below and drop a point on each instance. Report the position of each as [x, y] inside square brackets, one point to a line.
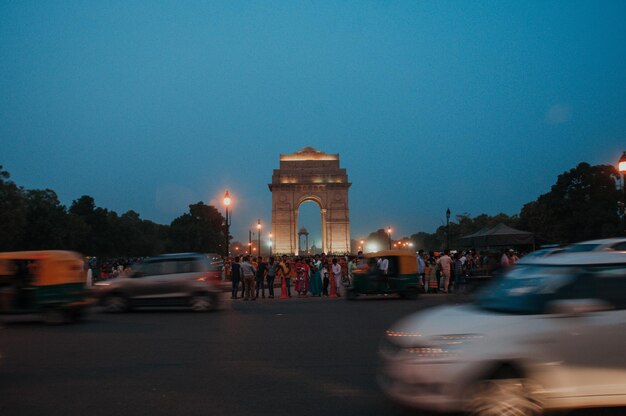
[36, 219]
[581, 205]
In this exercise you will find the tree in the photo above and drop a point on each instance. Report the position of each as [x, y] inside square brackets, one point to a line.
[46, 226]
[99, 235]
[582, 205]
[200, 230]
[378, 239]
[140, 237]
[425, 241]
[13, 215]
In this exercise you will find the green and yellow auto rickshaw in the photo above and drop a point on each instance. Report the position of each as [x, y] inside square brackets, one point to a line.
[48, 283]
[401, 276]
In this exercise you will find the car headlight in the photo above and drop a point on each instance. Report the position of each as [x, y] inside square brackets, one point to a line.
[438, 347]
[101, 284]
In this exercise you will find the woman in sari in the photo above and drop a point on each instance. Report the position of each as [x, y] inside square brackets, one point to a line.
[316, 277]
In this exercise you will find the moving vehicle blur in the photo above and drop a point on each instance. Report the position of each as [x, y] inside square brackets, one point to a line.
[48, 283]
[401, 276]
[546, 335]
[607, 244]
[185, 279]
[542, 252]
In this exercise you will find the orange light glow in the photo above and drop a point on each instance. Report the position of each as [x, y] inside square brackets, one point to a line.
[227, 199]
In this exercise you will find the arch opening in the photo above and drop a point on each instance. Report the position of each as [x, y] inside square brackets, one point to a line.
[309, 227]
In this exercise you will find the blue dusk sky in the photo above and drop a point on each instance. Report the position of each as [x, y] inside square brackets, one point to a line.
[153, 105]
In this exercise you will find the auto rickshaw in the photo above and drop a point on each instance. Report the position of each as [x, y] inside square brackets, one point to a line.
[401, 277]
[48, 283]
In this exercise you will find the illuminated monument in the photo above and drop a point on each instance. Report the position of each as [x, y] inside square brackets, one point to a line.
[310, 175]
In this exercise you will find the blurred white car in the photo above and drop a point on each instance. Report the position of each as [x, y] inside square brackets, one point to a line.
[548, 334]
[607, 244]
[183, 279]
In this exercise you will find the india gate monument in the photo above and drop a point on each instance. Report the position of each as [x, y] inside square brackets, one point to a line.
[310, 175]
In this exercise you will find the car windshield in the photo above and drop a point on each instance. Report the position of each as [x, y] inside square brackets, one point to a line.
[580, 248]
[526, 289]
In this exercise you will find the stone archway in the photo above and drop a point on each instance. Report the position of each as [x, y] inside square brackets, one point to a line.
[310, 175]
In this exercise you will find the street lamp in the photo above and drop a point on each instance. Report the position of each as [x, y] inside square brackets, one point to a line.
[227, 223]
[621, 167]
[389, 232]
[448, 229]
[270, 244]
[258, 231]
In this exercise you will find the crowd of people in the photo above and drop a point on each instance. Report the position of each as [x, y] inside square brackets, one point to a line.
[256, 277]
[313, 275]
[439, 272]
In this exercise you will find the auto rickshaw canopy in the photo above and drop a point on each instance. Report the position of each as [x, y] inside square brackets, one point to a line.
[50, 267]
[407, 261]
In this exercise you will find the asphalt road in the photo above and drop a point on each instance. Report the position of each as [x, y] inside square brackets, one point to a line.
[268, 357]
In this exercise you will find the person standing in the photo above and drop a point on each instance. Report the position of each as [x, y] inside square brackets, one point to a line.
[445, 264]
[383, 267]
[336, 270]
[249, 272]
[431, 283]
[459, 274]
[325, 277]
[261, 269]
[235, 271]
[316, 280]
[504, 260]
[421, 267]
[285, 271]
[299, 283]
[272, 267]
[352, 266]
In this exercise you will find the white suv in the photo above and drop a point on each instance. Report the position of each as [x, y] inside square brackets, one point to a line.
[548, 334]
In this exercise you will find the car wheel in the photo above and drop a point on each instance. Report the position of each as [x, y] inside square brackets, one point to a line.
[115, 303]
[201, 303]
[506, 396]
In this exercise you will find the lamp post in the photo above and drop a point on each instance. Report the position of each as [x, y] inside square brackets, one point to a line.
[448, 229]
[258, 231]
[389, 232]
[227, 223]
[250, 242]
[270, 244]
[621, 167]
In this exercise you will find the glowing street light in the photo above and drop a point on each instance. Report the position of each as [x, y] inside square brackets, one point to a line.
[389, 232]
[227, 222]
[622, 164]
[621, 167]
[270, 244]
[258, 231]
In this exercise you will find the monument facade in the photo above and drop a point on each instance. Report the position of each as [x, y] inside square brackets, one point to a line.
[310, 175]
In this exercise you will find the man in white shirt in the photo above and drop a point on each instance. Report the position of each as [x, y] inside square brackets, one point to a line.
[445, 265]
[336, 270]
